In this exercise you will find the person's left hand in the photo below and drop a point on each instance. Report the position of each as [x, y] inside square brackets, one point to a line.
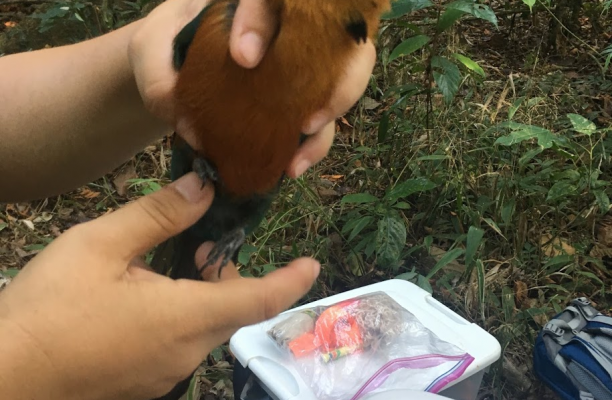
[87, 319]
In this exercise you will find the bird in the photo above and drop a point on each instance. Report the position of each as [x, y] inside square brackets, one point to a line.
[246, 122]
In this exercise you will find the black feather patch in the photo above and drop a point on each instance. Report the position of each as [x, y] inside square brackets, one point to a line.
[185, 36]
[358, 29]
[182, 41]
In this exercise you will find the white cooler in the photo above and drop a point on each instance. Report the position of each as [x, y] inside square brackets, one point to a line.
[274, 370]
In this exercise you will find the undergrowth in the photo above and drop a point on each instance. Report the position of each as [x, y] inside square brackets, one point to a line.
[479, 173]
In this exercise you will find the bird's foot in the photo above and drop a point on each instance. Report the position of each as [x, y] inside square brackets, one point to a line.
[204, 170]
[225, 248]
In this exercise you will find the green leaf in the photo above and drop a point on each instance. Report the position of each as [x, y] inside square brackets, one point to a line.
[515, 137]
[424, 284]
[494, 226]
[508, 303]
[403, 7]
[402, 205]
[522, 132]
[3, 225]
[558, 262]
[480, 272]
[34, 247]
[433, 157]
[10, 272]
[217, 354]
[474, 238]
[478, 10]
[603, 201]
[448, 18]
[383, 127]
[582, 124]
[244, 255]
[192, 391]
[363, 222]
[470, 64]
[407, 276]
[409, 46]
[530, 3]
[507, 211]
[560, 190]
[390, 240]
[448, 79]
[409, 187]
[359, 198]
[445, 260]
[514, 107]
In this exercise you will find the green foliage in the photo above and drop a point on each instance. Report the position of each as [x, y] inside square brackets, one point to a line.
[375, 224]
[444, 70]
[97, 19]
[144, 186]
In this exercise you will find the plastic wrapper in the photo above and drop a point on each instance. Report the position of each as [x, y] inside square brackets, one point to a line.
[364, 345]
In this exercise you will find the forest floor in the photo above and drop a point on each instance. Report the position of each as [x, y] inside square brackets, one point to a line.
[539, 250]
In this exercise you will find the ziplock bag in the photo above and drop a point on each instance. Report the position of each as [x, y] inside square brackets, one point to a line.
[367, 344]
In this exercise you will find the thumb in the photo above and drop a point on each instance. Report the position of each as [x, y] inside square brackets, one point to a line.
[137, 227]
[233, 303]
[252, 29]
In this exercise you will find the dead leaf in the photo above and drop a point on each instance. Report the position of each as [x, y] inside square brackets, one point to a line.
[28, 223]
[520, 293]
[370, 104]
[22, 210]
[10, 24]
[4, 281]
[345, 122]
[65, 212]
[87, 193]
[121, 180]
[44, 217]
[21, 252]
[604, 231]
[326, 192]
[332, 178]
[55, 230]
[555, 247]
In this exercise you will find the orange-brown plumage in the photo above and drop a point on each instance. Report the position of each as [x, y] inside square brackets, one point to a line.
[247, 121]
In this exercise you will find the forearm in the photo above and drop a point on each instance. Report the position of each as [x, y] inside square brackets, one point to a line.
[69, 115]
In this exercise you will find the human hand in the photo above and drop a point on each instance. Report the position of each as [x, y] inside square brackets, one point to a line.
[150, 53]
[90, 320]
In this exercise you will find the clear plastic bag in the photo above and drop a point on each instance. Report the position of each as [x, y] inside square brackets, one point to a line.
[364, 345]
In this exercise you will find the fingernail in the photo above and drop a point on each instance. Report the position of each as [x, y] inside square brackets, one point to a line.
[316, 269]
[251, 47]
[317, 122]
[190, 187]
[301, 167]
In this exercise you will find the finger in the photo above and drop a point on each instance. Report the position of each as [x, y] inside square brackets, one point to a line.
[211, 273]
[348, 90]
[234, 303]
[150, 220]
[253, 27]
[152, 64]
[313, 150]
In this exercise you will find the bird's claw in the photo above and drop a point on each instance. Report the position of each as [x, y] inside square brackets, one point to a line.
[205, 171]
[226, 248]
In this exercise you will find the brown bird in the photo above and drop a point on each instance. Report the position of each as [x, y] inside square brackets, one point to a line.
[247, 121]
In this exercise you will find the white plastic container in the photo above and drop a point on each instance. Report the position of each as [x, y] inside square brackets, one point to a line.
[277, 376]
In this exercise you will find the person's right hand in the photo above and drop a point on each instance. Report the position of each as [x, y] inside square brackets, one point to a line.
[86, 319]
